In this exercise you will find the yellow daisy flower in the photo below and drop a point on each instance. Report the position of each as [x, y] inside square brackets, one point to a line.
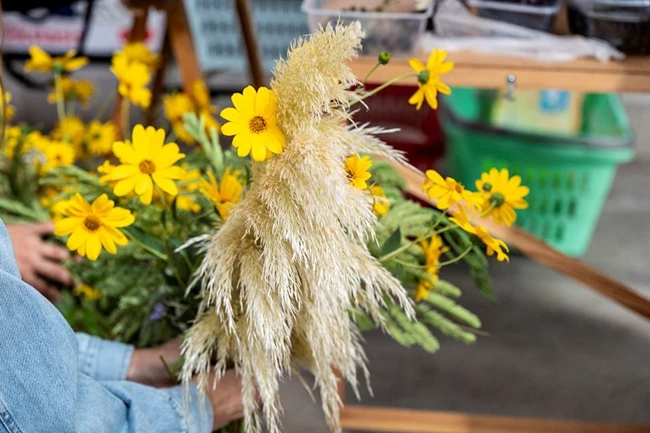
[140, 52]
[89, 293]
[225, 195]
[253, 123]
[41, 61]
[9, 110]
[503, 194]
[380, 202]
[201, 94]
[56, 154]
[176, 105]
[145, 162]
[462, 220]
[100, 138]
[432, 249]
[133, 77]
[448, 191]
[93, 226]
[73, 90]
[429, 83]
[73, 130]
[357, 170]
[13, 136]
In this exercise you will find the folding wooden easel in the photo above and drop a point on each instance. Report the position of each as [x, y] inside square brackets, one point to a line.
[383, 419]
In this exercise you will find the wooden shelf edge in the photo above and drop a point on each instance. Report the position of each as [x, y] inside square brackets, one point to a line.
[488, 71]
[381, 419]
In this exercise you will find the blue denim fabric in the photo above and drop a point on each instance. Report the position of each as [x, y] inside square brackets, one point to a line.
[52, 380]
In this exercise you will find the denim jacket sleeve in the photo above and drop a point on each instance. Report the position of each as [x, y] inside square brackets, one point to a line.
[101, 359]
[52, 380]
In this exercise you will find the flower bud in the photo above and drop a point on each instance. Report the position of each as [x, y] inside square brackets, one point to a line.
[383, 58]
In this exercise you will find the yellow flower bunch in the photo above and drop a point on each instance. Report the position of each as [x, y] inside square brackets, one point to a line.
[502, 195]
[8, 109]
[253, 123]
[88, 293]
[41, 61]
[56, 154]
[93, 227]
[380, 204]
[133, 78]
[72, 90]
[100, 137]
[356, 168]
[498, 196]
[429, 83]
[139, 52]
[432, 249]
[189, 183]
[71, 129]
[145, 162]
[223, 195]
[178, 104]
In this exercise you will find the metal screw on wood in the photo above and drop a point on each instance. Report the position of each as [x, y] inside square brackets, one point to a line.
[511, 80]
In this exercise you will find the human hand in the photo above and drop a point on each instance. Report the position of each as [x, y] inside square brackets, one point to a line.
[147, 367]
[39, 261]
[226, 399]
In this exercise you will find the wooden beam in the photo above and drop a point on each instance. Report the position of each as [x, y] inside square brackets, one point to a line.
[490, 71]
[250, 42]
[180, 37]
[543, 253]
[404, 420]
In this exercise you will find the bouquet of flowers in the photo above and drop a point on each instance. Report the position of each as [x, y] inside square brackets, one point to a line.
[271, 257]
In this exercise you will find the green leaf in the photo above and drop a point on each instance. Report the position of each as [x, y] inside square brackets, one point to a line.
[146, 241]
[393, 242]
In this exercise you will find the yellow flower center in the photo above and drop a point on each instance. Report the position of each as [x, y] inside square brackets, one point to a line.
[257, 124]
[147, 166]
[92, 223]
[458, 187]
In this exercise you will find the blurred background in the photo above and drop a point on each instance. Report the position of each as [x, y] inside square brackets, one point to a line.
[552, 348]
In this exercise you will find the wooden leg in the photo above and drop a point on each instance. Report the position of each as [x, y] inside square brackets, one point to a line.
[137, 33]
[159, 80]
[404, 420]
[180, 37]
[250, 40]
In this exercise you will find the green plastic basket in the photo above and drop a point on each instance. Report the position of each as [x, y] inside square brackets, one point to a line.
[569, 176]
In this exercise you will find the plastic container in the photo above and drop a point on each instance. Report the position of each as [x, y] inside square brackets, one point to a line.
[569, 176]
[218, 38]
[419, 135]
[534, 14]
[395, 32]
[624, 23]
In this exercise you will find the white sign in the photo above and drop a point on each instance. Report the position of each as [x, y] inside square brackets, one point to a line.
[60, 31]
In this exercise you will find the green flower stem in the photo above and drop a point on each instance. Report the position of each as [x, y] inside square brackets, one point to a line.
[60, 103]
[410, 265]
[108, 101]
[146, 247]
[374, 68]
[71, 107]
[457, 258]
[382, 87]
[403, 248]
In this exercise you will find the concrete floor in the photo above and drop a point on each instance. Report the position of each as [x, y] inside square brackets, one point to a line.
[555, 349]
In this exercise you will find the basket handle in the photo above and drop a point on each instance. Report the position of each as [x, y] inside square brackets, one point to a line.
[543, 253]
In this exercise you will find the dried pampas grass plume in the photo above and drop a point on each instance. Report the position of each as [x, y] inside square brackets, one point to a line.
[281, 276]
